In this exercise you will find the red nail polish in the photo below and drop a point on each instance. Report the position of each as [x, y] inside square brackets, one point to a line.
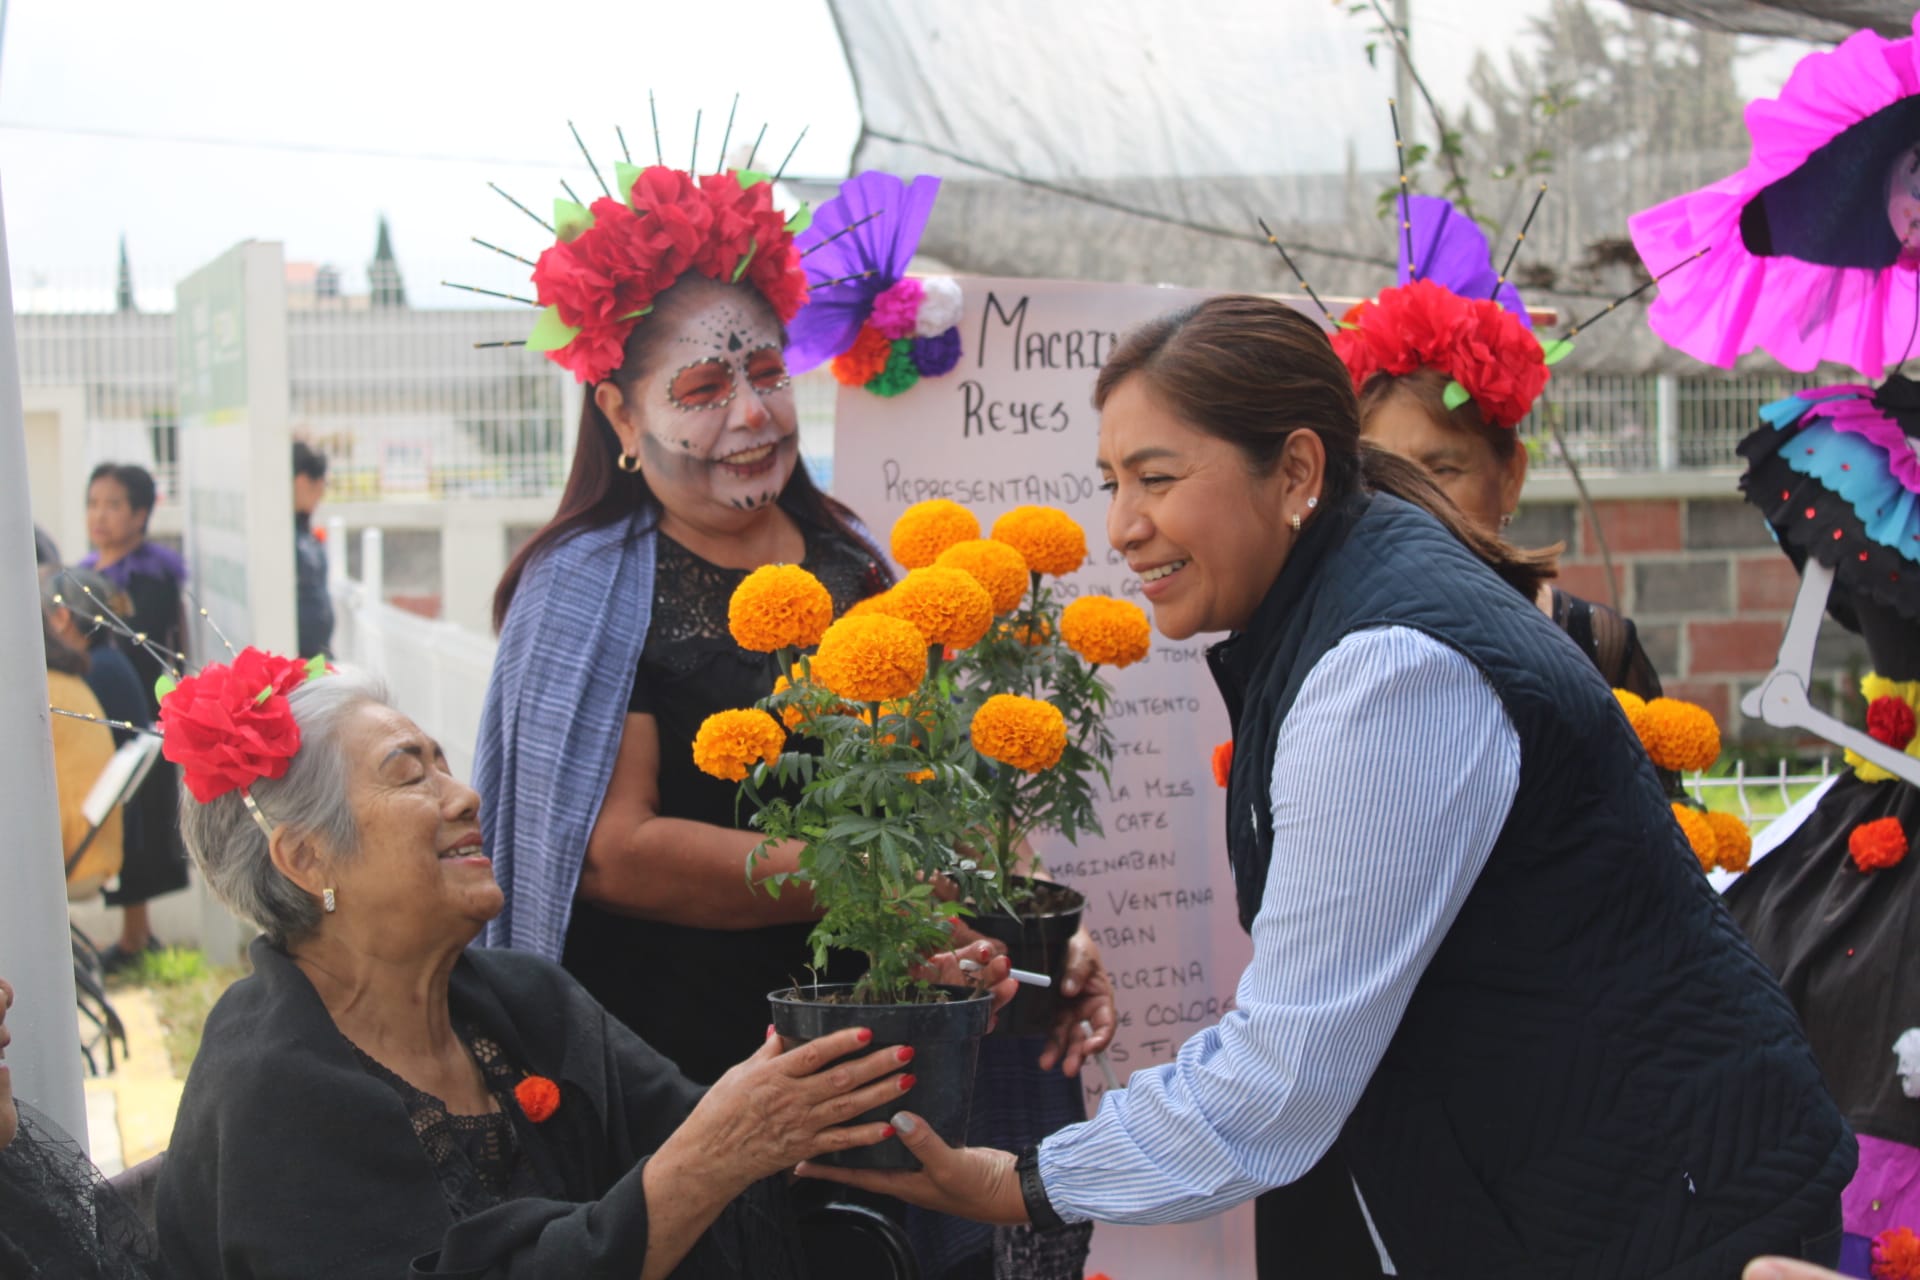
[904, 1053]
[864, 1036]
[907, 1082]
[769, 1031]
[887, 1132]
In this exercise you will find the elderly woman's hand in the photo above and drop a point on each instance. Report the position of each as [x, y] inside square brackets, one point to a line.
[776, 1109]
[1084, 1022]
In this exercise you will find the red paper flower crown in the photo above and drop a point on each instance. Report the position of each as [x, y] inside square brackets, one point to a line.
[616, 256]
[1475, 341]
[230, 726]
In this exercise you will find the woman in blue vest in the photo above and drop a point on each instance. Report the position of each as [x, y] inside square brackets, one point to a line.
[1487, 970]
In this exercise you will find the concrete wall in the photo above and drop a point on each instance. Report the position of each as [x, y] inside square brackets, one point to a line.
[1697, 570]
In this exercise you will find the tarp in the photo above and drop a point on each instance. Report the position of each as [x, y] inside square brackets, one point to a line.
[1825, 20]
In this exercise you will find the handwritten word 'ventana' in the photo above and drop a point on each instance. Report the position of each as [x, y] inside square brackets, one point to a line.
[1054, 490]
[1038, 348]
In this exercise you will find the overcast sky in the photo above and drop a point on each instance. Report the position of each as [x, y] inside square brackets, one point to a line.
[192, 124]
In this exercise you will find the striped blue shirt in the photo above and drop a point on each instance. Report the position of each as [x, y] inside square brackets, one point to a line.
[1391, 780]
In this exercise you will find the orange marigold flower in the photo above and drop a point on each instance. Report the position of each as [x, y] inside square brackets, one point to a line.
[538, 1096]
[793, 717]
[869, 607]
[1032, 636]
[1700, 834]
[1878, 844]
[729, 741]
[779, 606]
[871, 659]
[857, 365]
[1222, 763]
[926, 529]
[1896, 1254]
[1106, 631]
[920, 775]
[1733, 843]
[1046, 536]
[1023, 732]
[1630, 702]
[997, 566]
[948, 606]
[1678, 735]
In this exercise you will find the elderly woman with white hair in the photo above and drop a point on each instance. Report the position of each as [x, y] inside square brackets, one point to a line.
[378, 1097]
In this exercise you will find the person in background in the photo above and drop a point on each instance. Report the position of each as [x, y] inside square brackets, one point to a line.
[314, 605]
[80, 753]
[120, 500]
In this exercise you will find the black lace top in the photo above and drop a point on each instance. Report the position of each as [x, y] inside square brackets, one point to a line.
[477, 1159]
[699, 995]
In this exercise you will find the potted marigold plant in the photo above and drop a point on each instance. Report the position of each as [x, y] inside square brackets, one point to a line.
[879, 793]
[1036, 706]
[1681, 737]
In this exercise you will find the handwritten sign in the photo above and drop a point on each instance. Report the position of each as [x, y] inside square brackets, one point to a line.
[1014, 424]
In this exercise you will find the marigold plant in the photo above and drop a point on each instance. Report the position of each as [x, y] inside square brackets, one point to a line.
[1630, 701]
[1105, 631]
[948, 606]
[1732, 842]
[997, 566]
[1679, 736]
[1026, 733]
[1700, 834]
[729, 741]
[779, 606]
[871, 659]
[1047, 537]
[926, 529]
[1877, 845]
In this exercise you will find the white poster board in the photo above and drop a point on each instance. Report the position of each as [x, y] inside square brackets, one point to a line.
[236, 471]
[1014, 424]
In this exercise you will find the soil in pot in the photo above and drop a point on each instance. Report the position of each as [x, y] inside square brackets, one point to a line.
[1036, 939]
[945, 1037]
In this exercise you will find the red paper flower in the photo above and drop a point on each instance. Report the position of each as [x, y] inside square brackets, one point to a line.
[1222, 762]
[538, 1096]
[600, 280]
[1878, 844]
[1890, 720]
[1896, 1255]
[1476, 341]
[230, 726]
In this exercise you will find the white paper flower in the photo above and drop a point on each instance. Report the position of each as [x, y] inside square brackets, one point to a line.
[939, 306]
[1907, 1050]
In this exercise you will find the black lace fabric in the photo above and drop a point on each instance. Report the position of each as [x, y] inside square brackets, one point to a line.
[59, 1219]
[477, 1158]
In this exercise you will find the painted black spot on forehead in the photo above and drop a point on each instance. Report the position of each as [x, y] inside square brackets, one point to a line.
[726, 326]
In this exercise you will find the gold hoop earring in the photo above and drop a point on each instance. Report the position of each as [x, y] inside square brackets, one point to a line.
[326, 900]
[1295, 522]
[628, 462]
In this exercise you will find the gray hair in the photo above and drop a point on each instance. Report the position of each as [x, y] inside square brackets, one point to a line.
[309, 799]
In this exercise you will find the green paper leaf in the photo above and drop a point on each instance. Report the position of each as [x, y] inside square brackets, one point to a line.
[624, 176]
[1557, 350]
[635, 315]
[263, 695]
[800, 221]
[570, 219]
[746, 259]
[1345, 324]
[165, 685]
[316, 666]
[751, 177]
[1454, 396]
[550, 333]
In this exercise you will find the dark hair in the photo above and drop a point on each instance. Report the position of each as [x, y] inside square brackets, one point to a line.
[599, 493]
[1252, 371]
[309, 461]
[62, 656]
[137, 481]
[1427, 387]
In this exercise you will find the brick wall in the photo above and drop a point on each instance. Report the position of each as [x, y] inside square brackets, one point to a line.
[1701, 578]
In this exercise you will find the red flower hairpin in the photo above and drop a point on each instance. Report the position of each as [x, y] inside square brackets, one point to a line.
[1477, 342]
[230, 725]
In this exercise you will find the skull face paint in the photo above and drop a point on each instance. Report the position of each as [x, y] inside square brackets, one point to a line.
[1903, 204]
[717, 418]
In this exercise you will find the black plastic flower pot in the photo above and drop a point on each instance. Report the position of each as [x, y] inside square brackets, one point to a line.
[945, 1036]
[1036, 940]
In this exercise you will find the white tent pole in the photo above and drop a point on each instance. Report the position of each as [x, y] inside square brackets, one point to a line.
[35, 955]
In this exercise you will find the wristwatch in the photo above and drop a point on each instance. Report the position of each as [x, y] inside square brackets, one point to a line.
[1040, 1213]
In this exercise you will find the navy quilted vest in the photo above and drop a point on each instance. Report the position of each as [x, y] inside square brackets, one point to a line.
[1595, 1077]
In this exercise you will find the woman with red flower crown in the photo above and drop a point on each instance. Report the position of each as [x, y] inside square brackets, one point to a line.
[378, 1098]
[1446, 365]
[619, 857]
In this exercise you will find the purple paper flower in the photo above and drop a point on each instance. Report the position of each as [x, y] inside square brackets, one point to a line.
[1450, 249]
[875, 253]
[937, 355]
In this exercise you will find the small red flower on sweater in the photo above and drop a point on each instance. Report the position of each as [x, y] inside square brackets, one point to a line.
[1878, 844]
[1222, 762]
[1890, 720]
[1896, 1255]
[538, 1096]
